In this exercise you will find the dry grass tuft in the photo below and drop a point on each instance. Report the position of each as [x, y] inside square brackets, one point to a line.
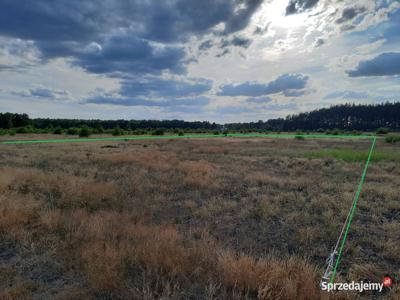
[152, 159]
[198, 173]
[17, 212]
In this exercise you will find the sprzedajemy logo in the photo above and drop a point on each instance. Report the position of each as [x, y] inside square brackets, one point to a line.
[357, 286]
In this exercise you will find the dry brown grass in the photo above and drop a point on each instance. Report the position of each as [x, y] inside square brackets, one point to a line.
[147, 159]
[198, 173]
[201, 219]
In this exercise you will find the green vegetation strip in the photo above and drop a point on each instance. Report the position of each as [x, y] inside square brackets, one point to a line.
[127, 138]
[352, 211]
[350, 155]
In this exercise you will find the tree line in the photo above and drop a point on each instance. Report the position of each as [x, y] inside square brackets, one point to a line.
[22, 122]
[346, 117]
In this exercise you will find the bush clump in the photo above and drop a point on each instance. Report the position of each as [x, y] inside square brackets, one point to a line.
[117, 131]
[22, 130]
[158, 131]
[334, 132]
[72, 131]
[392, 139]
[58, 130]
[99, 129]
[84, 132]
[382, 130]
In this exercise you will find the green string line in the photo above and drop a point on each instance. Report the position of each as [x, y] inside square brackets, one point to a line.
[353, 209]
[126, 138]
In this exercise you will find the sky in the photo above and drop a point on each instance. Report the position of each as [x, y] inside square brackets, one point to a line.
[215, 60]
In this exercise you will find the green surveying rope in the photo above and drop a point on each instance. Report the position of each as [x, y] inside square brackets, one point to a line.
[352, 211]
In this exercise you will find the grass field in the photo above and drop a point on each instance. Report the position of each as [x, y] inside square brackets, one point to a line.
[221, 218]
[351, 155]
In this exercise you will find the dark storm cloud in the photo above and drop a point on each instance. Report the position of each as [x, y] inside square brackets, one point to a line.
[190, 102]
[79, 20]
[134, 36]
[172, 20]
[350, 13]
[156, 87]
[252, 89]
[51, 49]
[236, 41]
[298, 6]
[241, 18]
[55, 20]
[286, 84]
[128, 54]
[385, 64]
[85, 20]
[206, 45]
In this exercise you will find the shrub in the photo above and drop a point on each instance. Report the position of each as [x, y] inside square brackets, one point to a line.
[22, 130]
[11, 132]
[58, 130]
[392, 139]
[382, 130]
[138, 132]
[48, 129]
[84, 132]
[181, 133]
[158, 131]
[117, 131]
[334, 131]
[299, 137]
[99, 129]
[72, 131]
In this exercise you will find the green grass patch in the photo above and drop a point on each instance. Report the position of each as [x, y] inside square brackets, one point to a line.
[392, 139]
[353, 155]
